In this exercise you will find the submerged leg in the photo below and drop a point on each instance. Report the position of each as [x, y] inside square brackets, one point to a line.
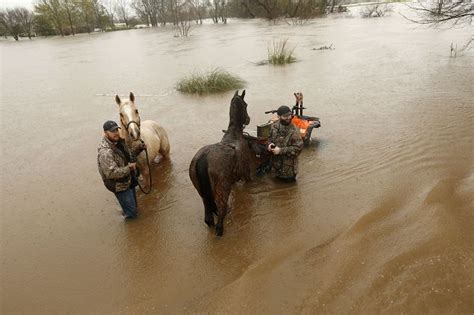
[220, 223]
[209, 208]
[145, 172]
[128, 202]
[221, 212]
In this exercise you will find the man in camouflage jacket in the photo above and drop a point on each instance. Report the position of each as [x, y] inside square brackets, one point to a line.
[116, 167]
[285, 144]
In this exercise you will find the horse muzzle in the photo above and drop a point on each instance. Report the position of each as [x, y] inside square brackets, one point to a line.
[134, 133]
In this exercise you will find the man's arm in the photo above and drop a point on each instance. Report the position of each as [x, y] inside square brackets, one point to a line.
[110, 168]
[271, 138]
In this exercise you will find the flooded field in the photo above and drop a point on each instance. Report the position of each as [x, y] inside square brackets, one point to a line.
[380, 220]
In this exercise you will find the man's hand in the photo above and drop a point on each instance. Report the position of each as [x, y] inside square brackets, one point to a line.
[276, 150]
[271, 146]
[132, 166]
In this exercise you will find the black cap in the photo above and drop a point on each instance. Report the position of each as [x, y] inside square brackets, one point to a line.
[282, 110]
[110, 125]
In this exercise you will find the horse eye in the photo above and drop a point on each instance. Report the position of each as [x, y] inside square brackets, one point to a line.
[136, 111]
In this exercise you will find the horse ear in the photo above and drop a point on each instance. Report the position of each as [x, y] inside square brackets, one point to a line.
[117, 99]
[236, 93]
[243, 94]
[132, 97]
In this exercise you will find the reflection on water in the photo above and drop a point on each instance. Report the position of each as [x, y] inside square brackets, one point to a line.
[379, 220]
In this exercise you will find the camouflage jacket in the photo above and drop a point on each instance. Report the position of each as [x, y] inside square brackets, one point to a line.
[285, 165]
[113, 165]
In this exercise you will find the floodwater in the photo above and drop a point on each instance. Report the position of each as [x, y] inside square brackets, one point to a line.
[380, 219]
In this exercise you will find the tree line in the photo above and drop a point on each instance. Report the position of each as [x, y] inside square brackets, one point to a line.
[69, 17]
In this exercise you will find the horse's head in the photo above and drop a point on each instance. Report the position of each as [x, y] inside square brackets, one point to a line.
[129, 116]
[238, 110]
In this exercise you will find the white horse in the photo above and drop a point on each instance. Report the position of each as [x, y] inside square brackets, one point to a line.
[149, 131]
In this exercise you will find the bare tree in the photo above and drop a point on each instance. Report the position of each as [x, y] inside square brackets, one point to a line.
[183, 27]
[109, 11]
[123, 11]
[443, 11]
[10, 22]
[245, 4]
[25, 18]
[69, 8]
[270, 7]
[199, 10]
[376, 10]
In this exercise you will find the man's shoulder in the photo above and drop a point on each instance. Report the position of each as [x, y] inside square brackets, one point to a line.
[292, 127]
[104, 147]
[276, 125]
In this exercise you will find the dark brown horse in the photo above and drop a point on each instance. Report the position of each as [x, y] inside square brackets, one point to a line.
[216, 167]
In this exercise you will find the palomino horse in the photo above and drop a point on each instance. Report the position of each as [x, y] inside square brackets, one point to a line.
[216, 167]
[149, 131]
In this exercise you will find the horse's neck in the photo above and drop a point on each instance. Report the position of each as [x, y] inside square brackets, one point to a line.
[233, 133]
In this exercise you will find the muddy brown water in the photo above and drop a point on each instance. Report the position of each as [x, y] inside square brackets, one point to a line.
[380, 220]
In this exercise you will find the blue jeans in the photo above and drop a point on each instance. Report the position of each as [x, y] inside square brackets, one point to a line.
[128, 202]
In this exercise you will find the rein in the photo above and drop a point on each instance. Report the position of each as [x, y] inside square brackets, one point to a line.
[149, 170]
[146, 153]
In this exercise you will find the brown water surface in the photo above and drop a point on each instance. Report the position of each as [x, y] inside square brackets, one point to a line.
[380, 220]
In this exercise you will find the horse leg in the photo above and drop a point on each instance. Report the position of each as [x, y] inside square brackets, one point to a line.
[165, 147]
[145, 172]
[209, 209]
[221, 204]
[157, 159]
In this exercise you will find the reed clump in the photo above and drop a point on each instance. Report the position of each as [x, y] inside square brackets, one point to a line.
[279, 53]
[213, 81]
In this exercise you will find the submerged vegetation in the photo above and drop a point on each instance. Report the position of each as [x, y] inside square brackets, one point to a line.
[280, 54]
[213, 81]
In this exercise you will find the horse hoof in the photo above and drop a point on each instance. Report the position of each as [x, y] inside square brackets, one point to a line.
[219, 231]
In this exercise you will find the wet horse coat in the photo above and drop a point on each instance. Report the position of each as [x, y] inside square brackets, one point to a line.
[216, 167]
[149, 131]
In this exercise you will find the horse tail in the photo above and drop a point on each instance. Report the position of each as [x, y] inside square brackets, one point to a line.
[204, 183]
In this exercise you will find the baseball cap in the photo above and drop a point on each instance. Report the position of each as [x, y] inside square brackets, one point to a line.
[282, 110]
[110, 125]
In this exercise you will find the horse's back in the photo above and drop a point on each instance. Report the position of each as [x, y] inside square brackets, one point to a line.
[220, 161]
[155, 137]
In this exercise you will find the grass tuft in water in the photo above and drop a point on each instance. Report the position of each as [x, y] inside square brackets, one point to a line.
[280, 53]
[214, 81]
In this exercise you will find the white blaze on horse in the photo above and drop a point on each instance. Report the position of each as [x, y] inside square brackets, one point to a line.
[150, 132]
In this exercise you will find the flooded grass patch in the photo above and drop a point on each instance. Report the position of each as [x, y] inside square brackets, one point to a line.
[213, 81]
[280, 54]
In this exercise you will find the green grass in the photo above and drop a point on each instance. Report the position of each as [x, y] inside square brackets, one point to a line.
[280, 53]
[213, 81]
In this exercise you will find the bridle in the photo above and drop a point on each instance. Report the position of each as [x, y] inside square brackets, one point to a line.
[129, 123]
[127, 126]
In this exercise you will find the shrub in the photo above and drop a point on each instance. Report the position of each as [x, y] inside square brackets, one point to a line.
[280, 53]
[214, 81]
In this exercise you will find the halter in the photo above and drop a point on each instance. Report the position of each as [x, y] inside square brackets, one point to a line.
[129, 123]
